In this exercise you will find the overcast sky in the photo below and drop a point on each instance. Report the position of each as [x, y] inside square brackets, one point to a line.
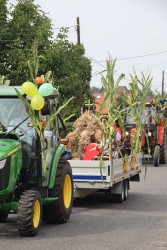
[119, 28]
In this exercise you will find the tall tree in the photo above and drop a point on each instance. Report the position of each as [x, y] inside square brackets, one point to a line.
[4, 33]
[72, 71]
[97, 90]
[28, 25]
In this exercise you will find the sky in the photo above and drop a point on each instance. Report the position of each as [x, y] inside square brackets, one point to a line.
[131, 31]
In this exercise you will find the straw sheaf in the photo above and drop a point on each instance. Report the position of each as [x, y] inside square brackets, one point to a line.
[87, 129]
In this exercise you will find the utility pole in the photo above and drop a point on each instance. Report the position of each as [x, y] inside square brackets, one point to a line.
[162, 83]
[78, 32]
[79, 42]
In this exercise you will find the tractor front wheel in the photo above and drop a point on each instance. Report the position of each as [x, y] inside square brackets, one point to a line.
[156, 156]
[59, 211]
[29, 213]
[163, 151]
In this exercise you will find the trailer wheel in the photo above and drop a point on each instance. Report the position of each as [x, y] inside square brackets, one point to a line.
[3, 216]
[126, 187]
[29, 213]
[156, 156]
[59, 211]
[163, 151]
[119, 198]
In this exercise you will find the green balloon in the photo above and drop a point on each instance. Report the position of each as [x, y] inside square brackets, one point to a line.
[45, 89]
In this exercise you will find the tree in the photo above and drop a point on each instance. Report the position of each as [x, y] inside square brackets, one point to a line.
[4, 33]
[97, 90]
[28, 25]
[29, 31]
[72, 71]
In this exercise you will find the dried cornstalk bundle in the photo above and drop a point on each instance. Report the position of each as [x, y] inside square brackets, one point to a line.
[87, 129]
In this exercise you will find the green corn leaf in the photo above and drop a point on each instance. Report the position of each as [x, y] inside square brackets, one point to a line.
[53, 116]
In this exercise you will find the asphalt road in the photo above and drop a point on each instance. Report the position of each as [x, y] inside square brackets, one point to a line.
[140, 223]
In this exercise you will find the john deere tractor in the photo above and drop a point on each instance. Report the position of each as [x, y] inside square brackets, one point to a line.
[32, 190]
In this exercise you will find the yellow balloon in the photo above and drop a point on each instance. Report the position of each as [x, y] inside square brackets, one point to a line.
[37, 102]
[29, 88]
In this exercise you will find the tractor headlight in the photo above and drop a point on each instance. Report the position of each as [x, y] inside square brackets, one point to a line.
[2, 163]
[127, 133]
[149, 133]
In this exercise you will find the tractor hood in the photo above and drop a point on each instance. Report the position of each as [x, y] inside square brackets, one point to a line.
[8, 146]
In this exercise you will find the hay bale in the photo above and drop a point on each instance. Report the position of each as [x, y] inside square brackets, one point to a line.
[87, 129]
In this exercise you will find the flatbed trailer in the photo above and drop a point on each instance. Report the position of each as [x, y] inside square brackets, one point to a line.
[90, 176]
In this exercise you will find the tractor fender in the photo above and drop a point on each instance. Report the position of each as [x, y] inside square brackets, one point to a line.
[161, 131]
[60, 150]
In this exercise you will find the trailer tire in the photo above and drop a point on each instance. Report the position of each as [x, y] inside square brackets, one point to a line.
[119, 198]
[126, 188]
[156, 156]
[3, 216]
[29, 213]
[59, 211]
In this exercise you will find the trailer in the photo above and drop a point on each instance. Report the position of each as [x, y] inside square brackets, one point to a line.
[110, 177]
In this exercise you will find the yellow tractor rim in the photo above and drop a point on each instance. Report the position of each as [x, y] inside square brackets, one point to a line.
[67, 191]
[37, 212]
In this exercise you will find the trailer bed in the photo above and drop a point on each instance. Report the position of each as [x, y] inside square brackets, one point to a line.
[90, 175]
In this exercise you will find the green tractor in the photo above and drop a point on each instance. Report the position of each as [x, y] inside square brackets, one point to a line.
[26, 189]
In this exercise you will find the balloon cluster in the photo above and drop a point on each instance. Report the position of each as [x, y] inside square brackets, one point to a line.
[36, 95]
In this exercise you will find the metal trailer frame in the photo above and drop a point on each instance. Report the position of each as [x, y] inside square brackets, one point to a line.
[90, 176]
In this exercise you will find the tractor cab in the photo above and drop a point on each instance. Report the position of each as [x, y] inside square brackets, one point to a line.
[35, 183]
[153, 138]
[147, 120]
[15, 125]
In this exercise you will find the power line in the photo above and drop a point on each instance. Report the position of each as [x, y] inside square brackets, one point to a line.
[98, 62]
[151, 54]
[8, 40]
[56, 28]
[139, 56]
[92, 59]
[126, 58]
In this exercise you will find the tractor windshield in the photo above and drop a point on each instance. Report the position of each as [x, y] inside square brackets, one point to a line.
[12, 113]
[146, 118]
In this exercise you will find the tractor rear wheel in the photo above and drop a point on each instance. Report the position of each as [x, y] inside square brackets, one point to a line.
[59, 211]
[3, 216]
[156, 156]
[29, 213]
[163, 151]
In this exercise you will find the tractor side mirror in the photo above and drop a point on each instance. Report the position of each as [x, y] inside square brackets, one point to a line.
[46, 109]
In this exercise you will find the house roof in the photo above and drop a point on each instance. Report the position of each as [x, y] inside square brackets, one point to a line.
[99, 98]
[122, 89]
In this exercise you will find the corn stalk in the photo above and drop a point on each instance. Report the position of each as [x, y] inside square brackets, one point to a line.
[118, 109]
[139, 91]
[35, 116]
[138, 86]
[114, 109]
